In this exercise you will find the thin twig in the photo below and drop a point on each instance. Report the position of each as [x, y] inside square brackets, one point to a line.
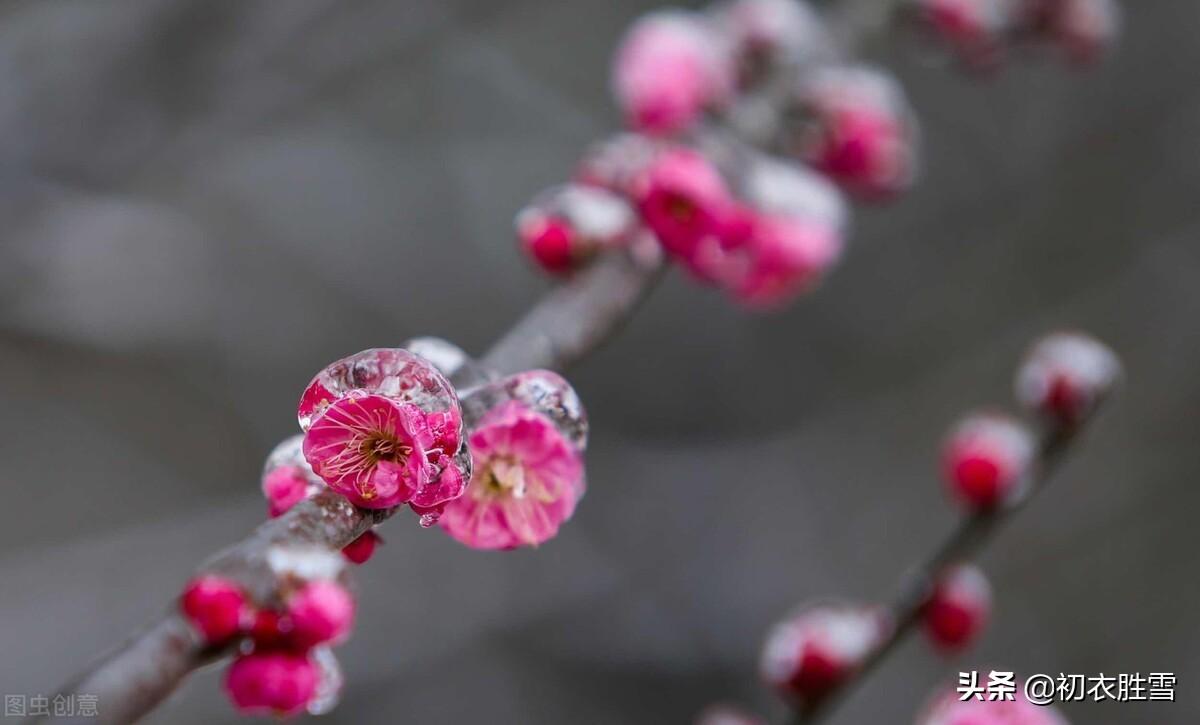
[964, 543]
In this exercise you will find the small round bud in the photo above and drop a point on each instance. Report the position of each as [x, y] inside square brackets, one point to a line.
[958, 607]
[684, 201]
[272, 683]
[986, 458]
[320, 612]
[362, 549]
[854, 125]
[813, 652]
[1083, 29]
[564, 227]
[975, 30]
[215, 606]
[1065, 376]
[669, 68]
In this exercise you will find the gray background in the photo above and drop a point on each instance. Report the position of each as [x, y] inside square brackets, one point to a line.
[203, 202]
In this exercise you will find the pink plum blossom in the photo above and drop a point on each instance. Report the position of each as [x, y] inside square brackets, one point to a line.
[564, 227]
[277, 683]
[528, 478]
[320, 612]
[1083, 29]
[986, 458]
[684, 201]
[363, 548]
[1065, 376]
[217, 607]
[669, 68]
[778, 257]
[976, 30]
[949, 709]
[284, 487]
[384, 428]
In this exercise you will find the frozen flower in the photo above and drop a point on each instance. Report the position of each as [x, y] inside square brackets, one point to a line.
[528, 478]
[320, 612]
[1065, 376]
[217, 607]
[778, 257]
[564, 227]
[384, 428]
[816, 650]
[986, 459]
[279, 683]
[949, 709]
[854, 125]
[362, 549]
[684, 201]
[958, 607]
[669, 68]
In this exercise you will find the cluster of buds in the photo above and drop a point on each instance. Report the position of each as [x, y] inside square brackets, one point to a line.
[980, 32]
[284, 663]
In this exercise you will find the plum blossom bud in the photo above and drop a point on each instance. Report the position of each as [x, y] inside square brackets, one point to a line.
[287, 478]
[276, 683]
[320, 612]
[528, 479]
[722, 714]
[781, 187]
[958, 607]
[773, 258]
[853, 124]
[362, 549]
[975, 30]
[616, 163]
[1065, 376]
[814, 651]
[948, 708]
[215, 606]
[1083, 29]
[986, 459]
[669, 68]
[566, 226]
[383, 428]
[766, 35]
[684, 201]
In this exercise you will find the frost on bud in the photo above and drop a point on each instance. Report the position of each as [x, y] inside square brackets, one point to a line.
[294, 565]
[287, 478]
[363, 548]
[215, 606]
[767, 35]
[948, 708]
[383, 428]
[529, 475]
[722, 714]
[670, 67]
[1083, 29]
[330, 682]
[321, 612]
[958, 607]
[986, 459]
[616, 163]
[1065, 376]
[853, 124]
[781, 187]
[975, 30]
[276, 683]
[816, 650]
[685, 202]
[565, 227]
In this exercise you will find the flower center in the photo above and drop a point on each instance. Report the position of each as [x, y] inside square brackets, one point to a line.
[379, 446]
[503, 477]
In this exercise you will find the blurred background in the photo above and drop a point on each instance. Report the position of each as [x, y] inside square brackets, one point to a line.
[205, 202]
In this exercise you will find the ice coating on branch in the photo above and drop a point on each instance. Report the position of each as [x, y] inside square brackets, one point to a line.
[669, 68]
[276, 683]
[297, 564]
[383, 427]
[958, 608]
[948, 708]
[765, 35]
[444, 355]
[853, 124]
[330, 682]
[1065, 376]
[685, 202]
[528, 479]
[986, 460]
[565, 226]
[815, 650]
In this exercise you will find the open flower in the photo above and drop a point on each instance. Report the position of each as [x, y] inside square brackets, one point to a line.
[528, 478]
[778, 257]
[384, 428]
